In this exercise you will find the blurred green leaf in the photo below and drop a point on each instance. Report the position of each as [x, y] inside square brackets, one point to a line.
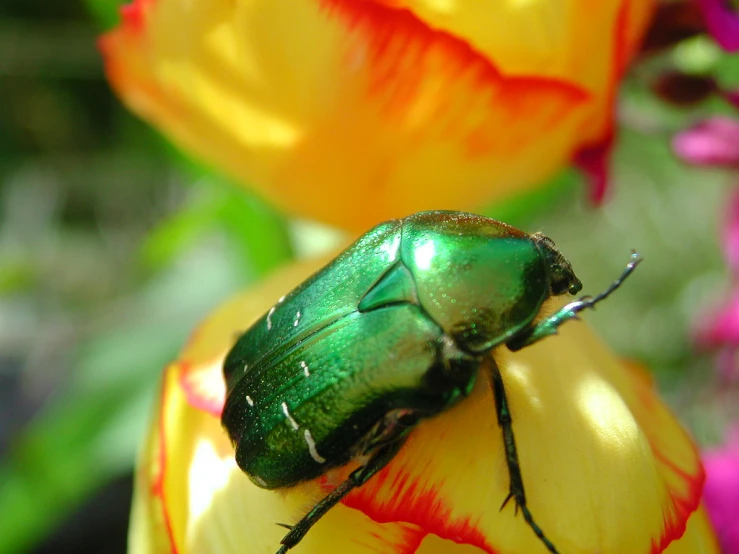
[699, 54]
[179, 232]
[15, 276]
[75, 445]
[105, 12]
[89, 433]
[260, 234]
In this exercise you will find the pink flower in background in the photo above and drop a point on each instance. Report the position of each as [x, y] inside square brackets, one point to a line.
[721, 491]
[719, 329]
[713, 141]
[722, 22]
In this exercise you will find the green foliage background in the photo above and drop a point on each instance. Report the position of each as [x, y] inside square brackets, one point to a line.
[113, 246]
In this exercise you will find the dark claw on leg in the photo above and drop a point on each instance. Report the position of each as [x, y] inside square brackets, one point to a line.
[285, 525]
[508, 499]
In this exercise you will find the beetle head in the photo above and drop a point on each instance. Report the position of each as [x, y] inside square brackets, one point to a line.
[562, 277]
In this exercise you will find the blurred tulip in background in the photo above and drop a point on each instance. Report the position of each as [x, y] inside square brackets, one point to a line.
[353, 112]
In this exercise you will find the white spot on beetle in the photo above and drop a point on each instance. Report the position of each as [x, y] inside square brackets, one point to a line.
[290, 418]
[390, 249]
[312, 447]
[424, 254]
[297, 319]
[449, 343]
[249, 400]
[281, 300]
[269, 317]
[246, 366]
[305, 368]
[259, 481]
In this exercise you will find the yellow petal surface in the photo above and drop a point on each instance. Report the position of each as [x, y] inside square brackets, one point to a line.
[541, 37]
[606, 467]
[556, 39]
[352, 112]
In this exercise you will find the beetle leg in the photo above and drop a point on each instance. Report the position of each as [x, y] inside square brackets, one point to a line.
[548, 326]
[516, 491]
[357, 478]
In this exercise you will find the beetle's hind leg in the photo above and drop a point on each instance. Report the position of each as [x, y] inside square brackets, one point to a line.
[516, 491]
[379, 458]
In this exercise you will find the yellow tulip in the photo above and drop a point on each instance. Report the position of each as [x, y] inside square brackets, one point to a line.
[607, 467]
[356, 111]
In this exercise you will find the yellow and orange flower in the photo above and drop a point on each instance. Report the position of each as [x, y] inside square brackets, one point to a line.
[607, 467]
[355, 111]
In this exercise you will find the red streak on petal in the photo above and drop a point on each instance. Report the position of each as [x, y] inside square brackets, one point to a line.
[409, 59]
[157, 488]
[133, 15]
[593, 159]
[130, 76]
[412, 538]
[685, 503]
[424, 508]
[412, 542]
[201, 391]
[622, 51]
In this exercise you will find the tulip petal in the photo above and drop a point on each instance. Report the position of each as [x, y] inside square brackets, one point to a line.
[699, 537]
[354, 112]
[596, 446]
[191, 497]
[555, 39]
[612, 458]
[150, 530]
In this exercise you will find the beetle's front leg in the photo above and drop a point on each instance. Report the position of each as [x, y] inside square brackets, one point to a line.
[516, 491]
[548, 326]
[357, 478]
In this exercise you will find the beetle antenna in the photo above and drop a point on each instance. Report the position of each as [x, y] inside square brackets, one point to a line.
[635, 260]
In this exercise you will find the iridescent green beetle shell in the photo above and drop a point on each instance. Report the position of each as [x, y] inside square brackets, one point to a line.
[397, 322]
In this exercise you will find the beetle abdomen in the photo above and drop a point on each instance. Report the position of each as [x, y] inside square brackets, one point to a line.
[326, 393]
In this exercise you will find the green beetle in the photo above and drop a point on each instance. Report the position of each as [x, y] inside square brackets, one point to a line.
[390, 332]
